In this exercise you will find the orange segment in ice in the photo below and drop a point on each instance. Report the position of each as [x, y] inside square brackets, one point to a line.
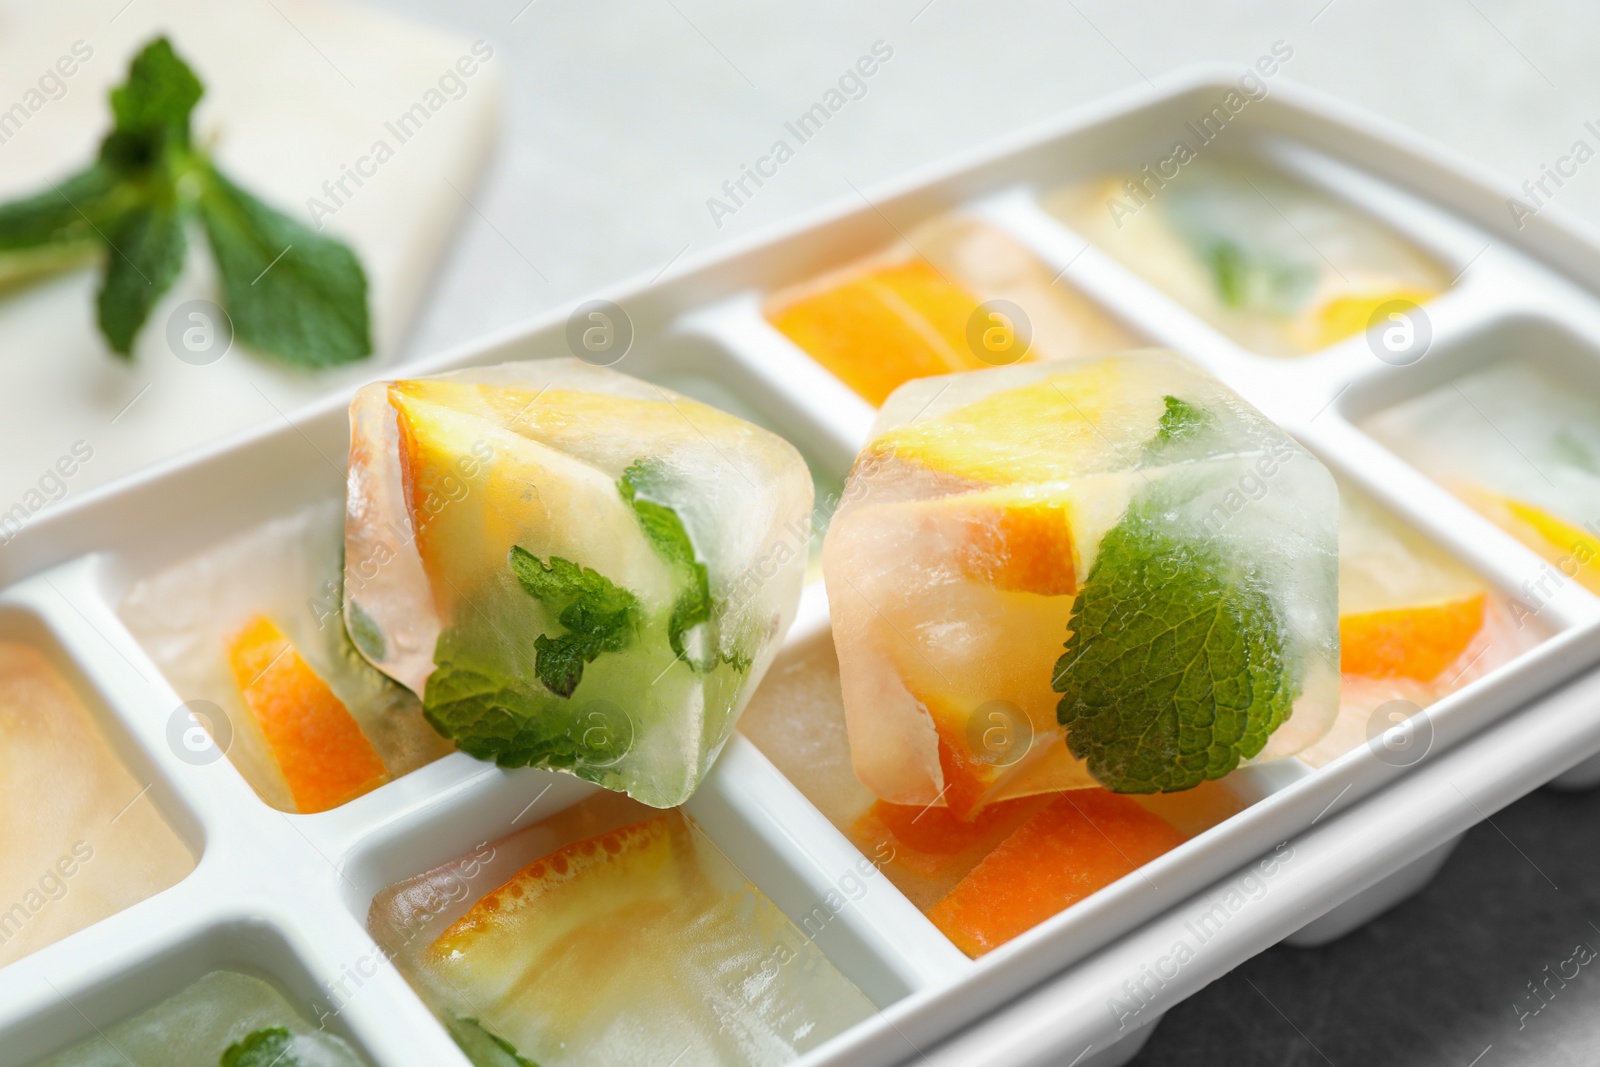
[1348, 314]
[565, 894]
[325, 758]
[1413, 642]
[1085, 840]
[937, 830]
[1024, 546]
[884, 328]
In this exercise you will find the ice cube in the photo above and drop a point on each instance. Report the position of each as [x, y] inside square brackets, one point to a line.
[191, 616]
[1278, 266]
[80, 836]
[633, 942]
[1522, 446]
[576, 569]
[197, 1026]
[1051, 576]
[914, 310]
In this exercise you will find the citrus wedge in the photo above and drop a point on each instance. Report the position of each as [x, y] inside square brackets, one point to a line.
[319, 747]
[1083, 841]
[1411, 642]
[883, 328]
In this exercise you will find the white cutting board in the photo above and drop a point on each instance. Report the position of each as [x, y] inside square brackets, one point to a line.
[294, 90]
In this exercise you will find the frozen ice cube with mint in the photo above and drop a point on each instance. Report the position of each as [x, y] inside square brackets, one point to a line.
[575, 569]
[1053, 576]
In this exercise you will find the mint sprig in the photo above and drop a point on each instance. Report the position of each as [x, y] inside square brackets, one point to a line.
[289, 290]
[598, 616]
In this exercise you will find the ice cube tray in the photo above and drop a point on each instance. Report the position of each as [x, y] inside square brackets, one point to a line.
[1316, 853]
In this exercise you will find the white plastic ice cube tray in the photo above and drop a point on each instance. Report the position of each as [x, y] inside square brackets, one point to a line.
[288, 895]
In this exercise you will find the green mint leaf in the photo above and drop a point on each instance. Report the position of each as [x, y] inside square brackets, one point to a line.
[1227, 263]
[495, 718]
[289, 290]
[484, 1047]
[599, 617]
[670, 538]
[160, 93]
[1175, 668]
[1181, 421]
[151, 110]
[147, 250]
[1181, 424]
[262, 1048]
[61, 227]
[365, 633]
[70, 212]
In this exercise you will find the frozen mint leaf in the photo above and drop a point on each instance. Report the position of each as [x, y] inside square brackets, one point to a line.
[670, 538]
[263, 1048]
[599, 616]
[1227, 263]
[484, 1047]
[147, 249]
[366, 634]
[492, 717]
[289, 290]
[1181, 421]
[1175, 668]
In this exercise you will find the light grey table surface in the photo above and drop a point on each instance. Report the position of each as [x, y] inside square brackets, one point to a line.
[626, 115]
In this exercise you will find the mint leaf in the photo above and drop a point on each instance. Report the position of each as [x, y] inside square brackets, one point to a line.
[484, 1047]
[670, 538]
[599, 617]
[1180, 422]
[67, 213]
[262, 1048]
[289, 290]
[365, 633]
[59, 228]
[1227, 263]
[158, 97]
[1175, 668]
[494, 718]
[147, 249]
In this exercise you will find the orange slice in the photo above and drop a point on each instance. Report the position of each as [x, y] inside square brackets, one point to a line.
[1023, 546]
[577, 888]
[319, 747]
[1083, 841]
[881, 329]
[1411, 642]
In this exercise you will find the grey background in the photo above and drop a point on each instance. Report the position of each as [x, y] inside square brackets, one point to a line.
[627, 114]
